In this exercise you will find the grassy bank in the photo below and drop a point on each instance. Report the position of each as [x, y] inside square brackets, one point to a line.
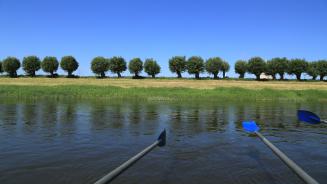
[87, 91]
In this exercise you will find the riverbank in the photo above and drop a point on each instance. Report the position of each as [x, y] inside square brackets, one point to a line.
[161, 90]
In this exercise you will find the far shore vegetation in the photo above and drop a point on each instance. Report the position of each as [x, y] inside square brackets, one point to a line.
[161, 89]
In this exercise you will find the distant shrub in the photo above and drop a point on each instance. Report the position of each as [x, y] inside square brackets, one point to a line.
[297, 67]
[256, 66]
[135, 67]
[69, 64]
[177, 64]
[151, 67]
[322, 69]
[225, 68]
[312, 70]
[50, 65]
[117, 65]
[195, 65]
[241, 68]
[213, 66]
[31, 64]
[100, 66]
[11, 65]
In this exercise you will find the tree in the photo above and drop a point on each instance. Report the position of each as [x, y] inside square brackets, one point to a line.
[213, 66]
[135, 66]
[1, 68]
[151, 67]
[241, 68]
[50, 65]
[225, 68]
[177, 64]
[69, 64]
[195, 65]
[297, 67]
[100, 66]
[31, 64]
[11, 65]
[256, 66]
[312, 70]
[277, 66]
[117, 65]
[322, 69]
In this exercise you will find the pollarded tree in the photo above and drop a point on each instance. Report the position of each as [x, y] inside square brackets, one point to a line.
[177, 64]
[272, 68]
[135, 66]
[31, 64]
[100, 66]
[117, 65]
[322, 69]
[50, 65]
[151, 67]
[195, 65]
[256, 66]
[241, 68]
[225, 68]
[297, 67]
[69, 64]
[312, 70]
[277, 66]
[213, 66]
[1, 68]
[11, 65]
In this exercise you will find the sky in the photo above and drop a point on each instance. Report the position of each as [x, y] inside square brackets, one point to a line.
[160, 29]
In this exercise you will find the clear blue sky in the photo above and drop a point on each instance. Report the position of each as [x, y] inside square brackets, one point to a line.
[159, 29]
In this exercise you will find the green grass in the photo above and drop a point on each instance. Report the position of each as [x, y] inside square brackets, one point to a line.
[158, 94]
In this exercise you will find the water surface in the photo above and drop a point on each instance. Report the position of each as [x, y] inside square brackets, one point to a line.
[80, 141]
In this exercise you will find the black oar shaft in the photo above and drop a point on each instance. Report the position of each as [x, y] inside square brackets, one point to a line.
[116, 172]
[292, 165]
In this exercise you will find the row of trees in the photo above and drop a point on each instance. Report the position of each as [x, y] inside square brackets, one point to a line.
[32, 64]
[194, 65]
[281, 66]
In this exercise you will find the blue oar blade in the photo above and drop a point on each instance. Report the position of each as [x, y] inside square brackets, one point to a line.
[162, 138]
[308, 117]
[250, 126]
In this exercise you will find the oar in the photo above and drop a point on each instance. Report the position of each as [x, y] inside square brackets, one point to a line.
[161, 141]
[252, 127]
[309, 117]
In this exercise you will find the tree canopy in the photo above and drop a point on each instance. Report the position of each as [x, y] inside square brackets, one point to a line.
[225, 68]
[50, 65]
[69, 64]
[135, 66]
[100, 66]
[11, 65]
[322, 69]
[297, 67]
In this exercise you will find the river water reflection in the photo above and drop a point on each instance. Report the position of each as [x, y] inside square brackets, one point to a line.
[78, 142]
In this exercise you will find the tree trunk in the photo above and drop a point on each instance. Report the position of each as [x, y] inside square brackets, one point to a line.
[314, 77]
[197, 76]
[241, 76]
[136, 75]
[274, 76]
[103, 75]
[322, 77]
[215, 75]
[153, 76]
[179, 74]
[119, 75]
[224, 73]
[298, 76]
[69, 73]
[281, 76]
[258, 77]
[51, 74]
